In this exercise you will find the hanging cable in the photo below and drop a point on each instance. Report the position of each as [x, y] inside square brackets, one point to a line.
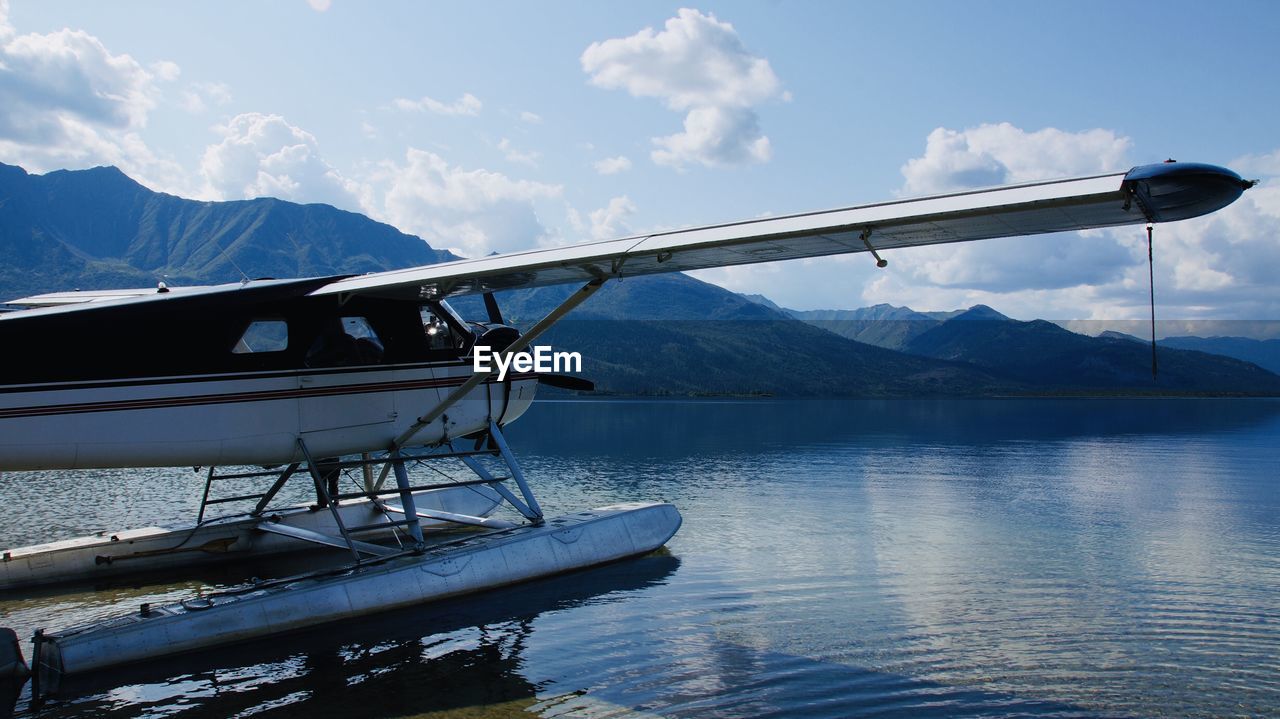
[1151, 281]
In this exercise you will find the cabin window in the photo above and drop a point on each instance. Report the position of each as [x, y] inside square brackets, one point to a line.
[360, 329]
[265, 335]
[345, 341]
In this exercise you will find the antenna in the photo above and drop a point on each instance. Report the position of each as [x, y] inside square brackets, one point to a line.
[244, 279]
[224, 252]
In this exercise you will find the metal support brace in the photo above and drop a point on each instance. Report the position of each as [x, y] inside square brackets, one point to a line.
[275, 489]
[322, 491]
[366, 470]
[516, 474]
[406, 497]
[497, 487]
[204, 501]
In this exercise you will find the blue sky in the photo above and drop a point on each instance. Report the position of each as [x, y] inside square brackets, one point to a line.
[502, 126]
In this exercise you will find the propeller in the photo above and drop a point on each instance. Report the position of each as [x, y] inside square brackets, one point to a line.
[491, 306]
[562, 381]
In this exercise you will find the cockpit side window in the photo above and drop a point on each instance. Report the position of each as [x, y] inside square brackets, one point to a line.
[441, 334]
[263, 335]
[360, 329]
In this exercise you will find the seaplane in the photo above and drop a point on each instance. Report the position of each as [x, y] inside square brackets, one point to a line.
[306, 380]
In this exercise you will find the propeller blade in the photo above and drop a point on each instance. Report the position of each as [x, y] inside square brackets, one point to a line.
[491, 306]
[564, 381]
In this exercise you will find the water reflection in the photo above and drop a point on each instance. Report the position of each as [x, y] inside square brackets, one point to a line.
[963, 558]
[437, 659]
[645, 428]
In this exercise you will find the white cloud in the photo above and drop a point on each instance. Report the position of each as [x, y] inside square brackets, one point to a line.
[474, 212]
[699, 66]
[48, 82]
[606, 223]
[613, 165]
[66, 101]
[530, 117]
[320, 5]
[264, 156]
[611, 221]
[998, 154]
[1217, 266]
[468, 104]
[529, 158]
[714, 136]
[949, 276]
[6, 30]
[1255, 165]
[166, 70]
[199, 95]
[1213, 266]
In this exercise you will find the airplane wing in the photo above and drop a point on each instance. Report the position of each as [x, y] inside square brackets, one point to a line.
[1150, 193]
[75, 297]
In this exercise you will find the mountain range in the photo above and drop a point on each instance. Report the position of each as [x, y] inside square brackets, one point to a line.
[98, 229]
[898, 327]
[656, 335]
[1264, 353]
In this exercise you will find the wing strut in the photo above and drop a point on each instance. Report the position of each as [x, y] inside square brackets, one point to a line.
[475, 379]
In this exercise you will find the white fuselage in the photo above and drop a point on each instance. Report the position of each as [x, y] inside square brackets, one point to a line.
[243, 418]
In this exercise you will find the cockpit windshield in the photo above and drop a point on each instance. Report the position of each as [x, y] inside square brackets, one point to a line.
[441, 334]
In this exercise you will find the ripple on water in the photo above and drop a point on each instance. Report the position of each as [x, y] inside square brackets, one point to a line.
[840, 559]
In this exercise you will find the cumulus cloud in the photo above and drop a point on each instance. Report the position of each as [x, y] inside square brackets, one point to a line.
[473, 212]
[996, 154]
[613, 165]
[49, 83]
[1224, 262]
[1213, 266]
[1257, 165]
[200, 95]
[67, 101]
[949, 276]
[166, 70]
[612, 220]
[696, 65]
[999, 154]
[522, 157]
[1218, 266]
[264, 156]
[468, 104]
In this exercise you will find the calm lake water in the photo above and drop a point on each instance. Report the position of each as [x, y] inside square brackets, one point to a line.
[843, 558]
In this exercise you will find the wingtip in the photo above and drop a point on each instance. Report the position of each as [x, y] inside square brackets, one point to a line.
[1170, 191]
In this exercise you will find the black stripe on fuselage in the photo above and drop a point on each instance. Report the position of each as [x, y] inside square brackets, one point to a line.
[223, 377]
[244, 397]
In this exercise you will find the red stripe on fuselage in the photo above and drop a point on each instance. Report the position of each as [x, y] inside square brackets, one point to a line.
[262, 396]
